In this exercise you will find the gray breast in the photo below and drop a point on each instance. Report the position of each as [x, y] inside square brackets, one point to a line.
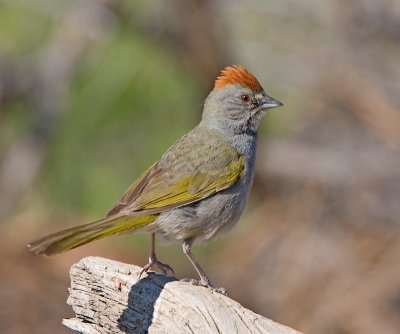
[218, 213]
[205, 219]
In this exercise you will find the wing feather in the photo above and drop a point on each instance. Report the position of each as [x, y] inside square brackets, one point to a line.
[183, 176]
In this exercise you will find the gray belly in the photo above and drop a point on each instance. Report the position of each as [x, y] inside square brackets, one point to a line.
[218, 213]
[203, 220]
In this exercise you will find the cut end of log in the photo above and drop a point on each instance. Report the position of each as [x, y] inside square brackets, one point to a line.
[108, 297]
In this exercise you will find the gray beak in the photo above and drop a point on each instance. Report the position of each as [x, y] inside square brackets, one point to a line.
[268, 102]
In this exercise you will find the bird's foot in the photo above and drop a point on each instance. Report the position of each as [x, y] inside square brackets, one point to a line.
[153, 262]
[206, 283]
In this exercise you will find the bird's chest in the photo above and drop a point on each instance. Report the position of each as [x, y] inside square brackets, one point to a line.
[212, 216]
[218, 213]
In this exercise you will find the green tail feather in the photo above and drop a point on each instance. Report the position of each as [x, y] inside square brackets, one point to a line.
[77, 236]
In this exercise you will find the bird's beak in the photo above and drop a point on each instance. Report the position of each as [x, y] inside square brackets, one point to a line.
[268, 102]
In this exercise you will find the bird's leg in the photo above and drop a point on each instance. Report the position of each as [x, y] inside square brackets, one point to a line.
[204, 280]
[187, 245]
[153, 261]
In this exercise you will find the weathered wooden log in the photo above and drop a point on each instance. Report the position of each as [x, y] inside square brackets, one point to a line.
[108, 297]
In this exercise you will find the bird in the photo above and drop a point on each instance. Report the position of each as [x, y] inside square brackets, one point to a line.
[198, 188]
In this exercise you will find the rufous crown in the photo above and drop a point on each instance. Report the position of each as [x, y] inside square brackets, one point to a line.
[237, 74]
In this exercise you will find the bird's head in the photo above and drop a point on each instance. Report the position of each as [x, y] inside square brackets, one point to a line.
[238, 102]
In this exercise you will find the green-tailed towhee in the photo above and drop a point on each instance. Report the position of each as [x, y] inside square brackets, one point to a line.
[200, 185]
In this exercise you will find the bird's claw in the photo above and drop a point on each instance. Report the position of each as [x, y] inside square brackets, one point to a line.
[206, 284]
[153, 262]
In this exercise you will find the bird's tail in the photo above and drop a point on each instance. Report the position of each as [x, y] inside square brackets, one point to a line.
[76, 236]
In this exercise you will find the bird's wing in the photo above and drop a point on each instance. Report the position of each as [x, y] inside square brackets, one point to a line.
[193, 169]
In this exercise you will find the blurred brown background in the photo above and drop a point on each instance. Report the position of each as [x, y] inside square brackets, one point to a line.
[92, 92]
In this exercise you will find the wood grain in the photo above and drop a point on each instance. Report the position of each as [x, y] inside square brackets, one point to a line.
[108, 297]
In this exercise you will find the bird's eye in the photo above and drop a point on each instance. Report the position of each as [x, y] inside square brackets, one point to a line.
[245, 98]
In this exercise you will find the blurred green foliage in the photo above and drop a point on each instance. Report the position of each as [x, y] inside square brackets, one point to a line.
[129, 101]
[125, 108]
[22, 31]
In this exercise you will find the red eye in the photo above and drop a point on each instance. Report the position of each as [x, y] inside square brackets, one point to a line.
[245, 98]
